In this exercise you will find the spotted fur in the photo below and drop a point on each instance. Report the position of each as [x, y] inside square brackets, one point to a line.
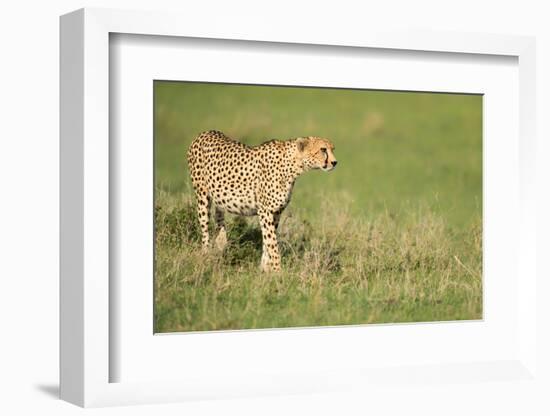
[246, 180]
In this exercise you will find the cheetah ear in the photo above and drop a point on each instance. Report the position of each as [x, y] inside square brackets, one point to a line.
[302, 143]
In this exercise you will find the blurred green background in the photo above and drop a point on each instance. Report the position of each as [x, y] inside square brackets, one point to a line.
[396, 150]
[393, 234]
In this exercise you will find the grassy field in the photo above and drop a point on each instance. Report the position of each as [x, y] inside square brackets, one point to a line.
[392, 235]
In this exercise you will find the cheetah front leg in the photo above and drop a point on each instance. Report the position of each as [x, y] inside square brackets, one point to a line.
[265, 255]
[203, 208]
[271, 260]
[276, 219]
[221, 238]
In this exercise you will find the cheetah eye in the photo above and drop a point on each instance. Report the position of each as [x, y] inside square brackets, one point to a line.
[323, 149]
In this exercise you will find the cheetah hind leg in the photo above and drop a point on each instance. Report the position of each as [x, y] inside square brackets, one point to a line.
[221, 238]
[203, 208]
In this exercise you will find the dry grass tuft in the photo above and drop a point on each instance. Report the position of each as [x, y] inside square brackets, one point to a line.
[343, 270]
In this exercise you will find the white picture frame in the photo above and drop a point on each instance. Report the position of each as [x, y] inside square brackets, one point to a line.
[85, 354]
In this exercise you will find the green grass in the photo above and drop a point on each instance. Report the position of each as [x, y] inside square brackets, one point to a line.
[392, 235]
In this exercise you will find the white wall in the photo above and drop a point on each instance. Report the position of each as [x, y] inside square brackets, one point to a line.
[29, 185]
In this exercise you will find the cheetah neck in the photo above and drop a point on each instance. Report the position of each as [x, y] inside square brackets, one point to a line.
[296, 164]
[288, 179]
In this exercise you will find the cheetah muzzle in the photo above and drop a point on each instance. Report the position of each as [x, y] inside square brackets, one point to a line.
[246, 180]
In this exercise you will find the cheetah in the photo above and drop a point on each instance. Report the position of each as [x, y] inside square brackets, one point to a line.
[249, 181]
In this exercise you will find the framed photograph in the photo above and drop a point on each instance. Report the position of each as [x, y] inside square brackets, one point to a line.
[350, 248]
[285, 213]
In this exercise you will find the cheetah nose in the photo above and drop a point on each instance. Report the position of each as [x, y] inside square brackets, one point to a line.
[334, 162]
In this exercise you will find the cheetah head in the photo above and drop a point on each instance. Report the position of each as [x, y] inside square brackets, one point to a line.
[316, 153]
